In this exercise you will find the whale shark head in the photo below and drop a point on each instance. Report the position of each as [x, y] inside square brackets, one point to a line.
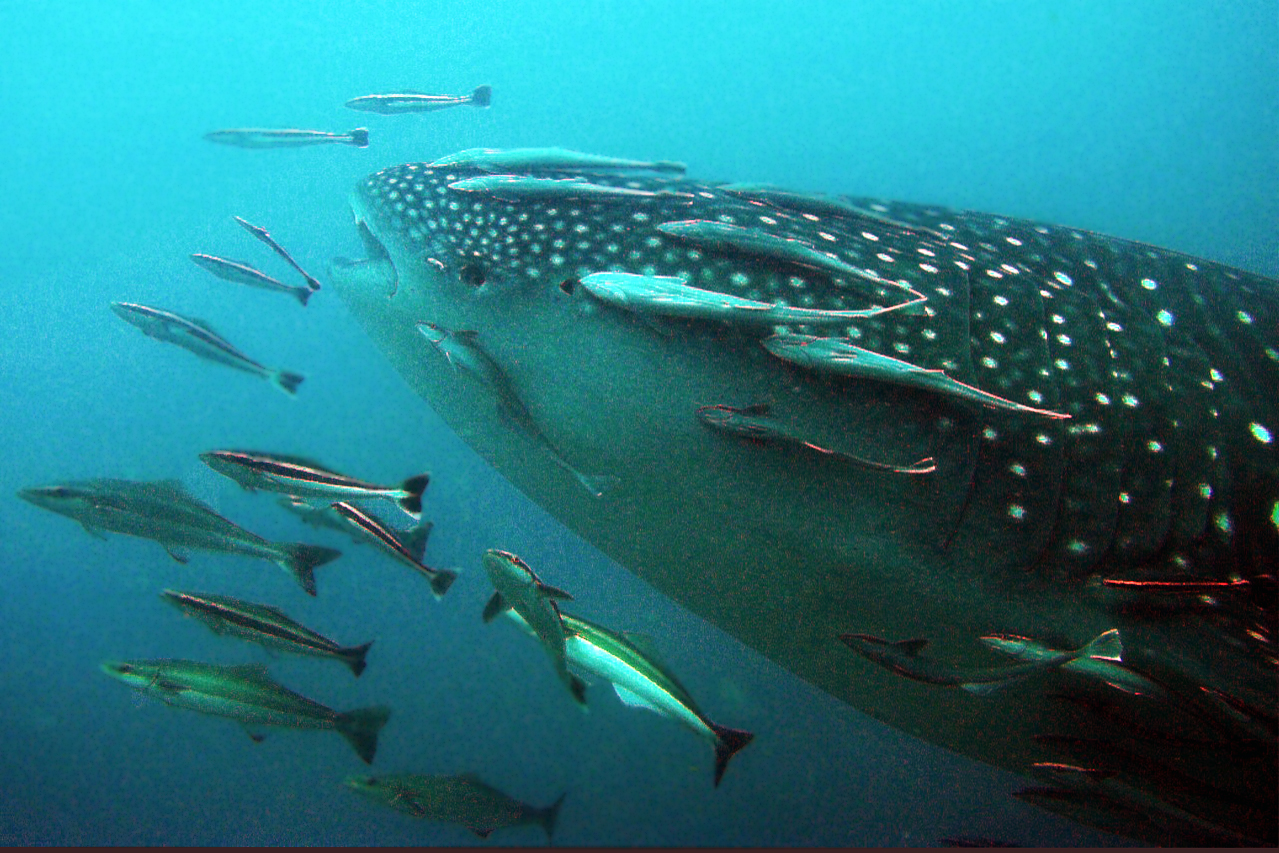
[926, 423]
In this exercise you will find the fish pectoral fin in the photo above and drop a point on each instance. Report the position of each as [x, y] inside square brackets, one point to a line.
[911, 647]
[92, 531]
[254, 735]
[181, 555]
[634, 700]
[482, 833]
[495, 606]
[554, 592]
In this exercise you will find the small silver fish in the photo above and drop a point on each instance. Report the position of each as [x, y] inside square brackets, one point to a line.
[535, 159]
[396, 103]
[407, 548]
[259, 137]
[198, 337]
[242, 273]
[263, 235]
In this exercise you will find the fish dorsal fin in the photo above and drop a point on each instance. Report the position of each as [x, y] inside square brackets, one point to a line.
[911, 647]
[757, 409]
[553, 592]
[202, 324]
[179, 555]
[170, 487]
[250, 672]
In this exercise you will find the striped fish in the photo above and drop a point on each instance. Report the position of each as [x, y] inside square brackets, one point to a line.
[408, 548]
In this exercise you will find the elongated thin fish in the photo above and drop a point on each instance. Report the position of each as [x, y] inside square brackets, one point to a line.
[520, 589]
[462, 799]
[1102, 668]
[198, 337]
[440, 579]
[241, 273]
[524, 188]
[756, 424]
[903, 658]
[257, 137]
[263, 235]
[267, 626]
[546, 159]
[247, 694]
[464, 351]
[395, 103]
[641, 681]
[163, 511]
[321, 517]
[300, 477]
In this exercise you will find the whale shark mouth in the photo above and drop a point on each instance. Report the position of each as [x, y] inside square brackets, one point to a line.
[830, 416]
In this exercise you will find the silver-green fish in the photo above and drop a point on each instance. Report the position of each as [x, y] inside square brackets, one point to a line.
[462, 799]
[408, 550]
[259, 137]
[395, 103]
[241, 273]
[267, 626]
[247, 694]
[162, 510]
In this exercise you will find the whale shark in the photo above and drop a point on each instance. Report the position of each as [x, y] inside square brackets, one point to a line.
[1097, 415]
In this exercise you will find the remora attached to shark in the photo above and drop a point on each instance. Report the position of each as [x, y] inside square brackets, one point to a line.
[1096, 409]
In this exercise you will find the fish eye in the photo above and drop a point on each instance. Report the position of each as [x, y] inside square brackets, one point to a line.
[473, 274]
[568, 285]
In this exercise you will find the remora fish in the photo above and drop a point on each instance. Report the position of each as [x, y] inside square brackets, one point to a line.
[323, 516]
[247, 694]
[546, 159]
[241, 273]
[1167, 466]
[463, 350]
[409, 550]
[518, 588]
[256, 137]
[417, 102]
[265, 236]
[641, 681]
[264, 625]
[162, 510]
[1106, 669]
[198, 337]
[301, 477]
[903, 659]
[462, 799]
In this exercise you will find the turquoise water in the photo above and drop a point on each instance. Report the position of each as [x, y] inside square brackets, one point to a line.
[1152, 121]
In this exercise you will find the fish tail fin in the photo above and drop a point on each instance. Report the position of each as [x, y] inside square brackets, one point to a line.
[412, 502]
[286, 381]
[303, 294]
[361, 727]
[550, 814]
[482, 96]
[360, 137]
[1106, 646]
[414, 541]
[441, 581]
[728, 742]
[301, 561]
[355, 657]
[577, 687]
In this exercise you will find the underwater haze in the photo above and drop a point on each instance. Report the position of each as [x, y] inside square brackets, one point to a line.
[1154, 121]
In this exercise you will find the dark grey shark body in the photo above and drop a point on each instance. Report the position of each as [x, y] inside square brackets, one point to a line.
[1097, 409]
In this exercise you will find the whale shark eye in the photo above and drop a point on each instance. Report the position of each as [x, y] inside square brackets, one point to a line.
[473, 274]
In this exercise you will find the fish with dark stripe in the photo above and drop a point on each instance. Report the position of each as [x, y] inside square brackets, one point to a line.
[408, 549]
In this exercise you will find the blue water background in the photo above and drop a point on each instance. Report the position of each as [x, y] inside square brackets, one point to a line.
[1156, 121]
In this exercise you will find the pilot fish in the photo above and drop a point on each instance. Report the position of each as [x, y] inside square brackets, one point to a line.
[1095, 409]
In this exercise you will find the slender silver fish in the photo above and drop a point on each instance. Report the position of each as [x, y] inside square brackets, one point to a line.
[198, 337]
[395, 103]
[546, 159]
[259, 137]
[265, 236]
[440, 579]
[241, 273]
[301, 477]
[267, 626]
[163, 511]
[462, 799]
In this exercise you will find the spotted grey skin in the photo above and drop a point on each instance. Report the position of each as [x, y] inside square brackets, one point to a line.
[1164, 469]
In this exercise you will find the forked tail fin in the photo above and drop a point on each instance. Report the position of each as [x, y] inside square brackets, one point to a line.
[286, 381]
[359, 137]
[412, 502]
[482, 96]
[550, 814]
[360, 727]
[354, 657]
[441, 581]
[728, 742]
[1106, 646]
[301, 561]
